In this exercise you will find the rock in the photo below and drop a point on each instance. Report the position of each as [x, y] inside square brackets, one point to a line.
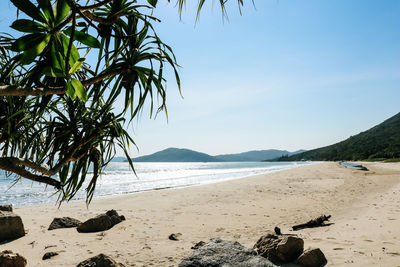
[115, 219]
[49, 255]
[312, 257]
[198, 245]
[11, 226]
[64, 222]
[111, 213]
[100, 260]
[6, 208]
[96, 224]
[219, 252]
[11, 259]
[279, 249]
[101, 222]
[174, 237]
[277, 230]
[290, 248]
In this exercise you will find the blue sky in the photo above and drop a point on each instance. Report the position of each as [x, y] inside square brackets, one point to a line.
[284, 75]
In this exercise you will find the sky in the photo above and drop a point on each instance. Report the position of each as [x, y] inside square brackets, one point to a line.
[285, 74]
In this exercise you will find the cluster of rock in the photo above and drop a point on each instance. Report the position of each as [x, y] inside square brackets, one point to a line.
[288, 248]
[99, 223]
[270, 250]
[11, 227]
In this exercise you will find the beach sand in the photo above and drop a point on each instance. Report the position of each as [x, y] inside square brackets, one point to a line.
[365, 209]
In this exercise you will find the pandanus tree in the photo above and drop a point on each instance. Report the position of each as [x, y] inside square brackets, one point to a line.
[58, 114]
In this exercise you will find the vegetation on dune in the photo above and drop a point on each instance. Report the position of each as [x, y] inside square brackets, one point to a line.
[380, 143]
[58, 114]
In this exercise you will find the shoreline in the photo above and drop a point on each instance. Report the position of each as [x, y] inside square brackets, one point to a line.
[49, 201]
[365, 209]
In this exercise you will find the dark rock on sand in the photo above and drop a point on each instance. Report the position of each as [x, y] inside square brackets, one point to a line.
[64, 222]
[219, 252]
[49, 255]
[312, 257]
[11, 226]
[198, 245]
[101, 222]
[174, 237]
[279, 249]
[6, 208]
[100, 260]
[277, 230]
[11, 259]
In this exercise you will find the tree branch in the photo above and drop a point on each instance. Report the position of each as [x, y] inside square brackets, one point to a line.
[14, 90]
[42, 168]
[8, 165]
[108, 21]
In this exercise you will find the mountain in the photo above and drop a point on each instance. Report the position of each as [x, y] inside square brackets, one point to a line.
[378, 143]
[177, 155]
[187, 155]
[256, 155]
[119, 159]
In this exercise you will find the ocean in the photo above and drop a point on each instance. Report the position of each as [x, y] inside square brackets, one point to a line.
[118, 179]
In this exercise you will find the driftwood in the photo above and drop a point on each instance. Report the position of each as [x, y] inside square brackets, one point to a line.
[317, 222]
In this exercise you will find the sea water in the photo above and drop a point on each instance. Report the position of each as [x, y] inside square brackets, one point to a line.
[118, 179]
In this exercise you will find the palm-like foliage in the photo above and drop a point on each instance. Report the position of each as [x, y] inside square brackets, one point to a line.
[57, 112]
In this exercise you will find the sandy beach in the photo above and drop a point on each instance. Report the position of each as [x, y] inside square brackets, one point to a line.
[365, 209]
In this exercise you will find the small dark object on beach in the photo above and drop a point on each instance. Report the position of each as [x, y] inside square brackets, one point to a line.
[318, 222]
[198, 245]
[361, 168]
[6, 208]
[64, 222]
[277, 230]
[49, 255]
[354, 166]
[174, 237]
[101, 222]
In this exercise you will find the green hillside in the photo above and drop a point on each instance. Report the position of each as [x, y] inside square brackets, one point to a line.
[378, 143]
[256, 155]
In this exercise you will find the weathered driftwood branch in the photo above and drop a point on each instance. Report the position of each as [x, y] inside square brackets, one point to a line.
[317, 222]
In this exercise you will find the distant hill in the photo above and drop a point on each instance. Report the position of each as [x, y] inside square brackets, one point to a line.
[256, 155]
[177, 155]
[187, 155]
[119, 159]
[378, 143]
